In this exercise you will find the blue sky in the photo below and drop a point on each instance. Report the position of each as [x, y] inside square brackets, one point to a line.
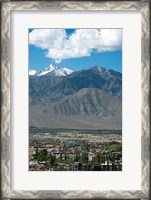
[75, 49]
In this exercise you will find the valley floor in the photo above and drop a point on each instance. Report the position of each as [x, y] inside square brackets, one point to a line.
[38, 119]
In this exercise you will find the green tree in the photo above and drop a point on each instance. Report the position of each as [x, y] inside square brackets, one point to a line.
[77, 158]
[98, 158]
[85, 157]
[116, 147]
[42, 155]
[65, 157]
[87, 148]
[102, 158]
[50, 159]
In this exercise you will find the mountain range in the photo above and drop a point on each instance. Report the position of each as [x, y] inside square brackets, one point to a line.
[88, 99]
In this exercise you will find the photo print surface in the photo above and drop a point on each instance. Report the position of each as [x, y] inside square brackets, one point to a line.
[75, 99]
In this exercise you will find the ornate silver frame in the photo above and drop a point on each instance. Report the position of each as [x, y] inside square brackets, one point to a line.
[6, 8]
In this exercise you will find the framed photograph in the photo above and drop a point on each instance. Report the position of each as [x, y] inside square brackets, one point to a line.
[75, 100]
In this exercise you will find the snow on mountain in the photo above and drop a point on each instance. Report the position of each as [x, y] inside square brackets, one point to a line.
[67, 71]
[32, 72]
[54, 71]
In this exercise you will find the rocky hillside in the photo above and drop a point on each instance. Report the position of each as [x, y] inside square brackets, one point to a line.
[95, 92]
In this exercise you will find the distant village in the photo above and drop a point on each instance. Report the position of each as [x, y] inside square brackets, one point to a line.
[75, 151]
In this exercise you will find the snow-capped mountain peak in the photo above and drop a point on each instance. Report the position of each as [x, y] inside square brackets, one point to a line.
[67, 71]
[54, 71]
[32, 72]
[100, 69]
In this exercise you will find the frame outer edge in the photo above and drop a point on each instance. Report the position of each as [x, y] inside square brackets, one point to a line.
[5, 171]
[54, 5]
[145, 112]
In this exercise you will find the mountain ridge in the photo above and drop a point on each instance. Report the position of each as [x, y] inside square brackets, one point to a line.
[51, 70]
[93, 93]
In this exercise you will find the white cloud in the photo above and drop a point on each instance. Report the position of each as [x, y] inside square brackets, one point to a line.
[81, 43]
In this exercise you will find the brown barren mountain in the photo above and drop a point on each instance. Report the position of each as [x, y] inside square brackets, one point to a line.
[88, 99]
